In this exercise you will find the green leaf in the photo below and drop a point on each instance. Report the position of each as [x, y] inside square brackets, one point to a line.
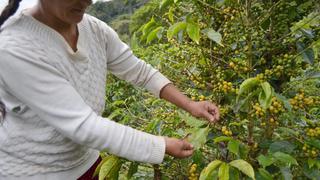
[311, 162]
[190, 120]
[282, 146]
[198, 137]
[285, 158]
[265, 96]
[148, 26]
[213, 35]
[265, 174]
[222, 138]
[132, 169]
[244, 167]
[307, 53]
[175, 29]
[134, 42]
[243, 104]
[193, 31]
[156, 33]
[314, 142]
[147, 29]
[284, 100]
[286, 173]
[115, 171]
[233, 146]
[206, 173]
[243, 151]
[248, 85]
[288, 131]
[265, 161]
[312, 75]
[107, 167]
[171, 15]
[224, 171]
[97, 170]
[165, 3]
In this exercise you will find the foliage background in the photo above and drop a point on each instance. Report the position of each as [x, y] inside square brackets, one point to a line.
[259, 60]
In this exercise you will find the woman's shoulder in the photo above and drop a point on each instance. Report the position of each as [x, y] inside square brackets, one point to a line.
[96, 25]
[15, 34]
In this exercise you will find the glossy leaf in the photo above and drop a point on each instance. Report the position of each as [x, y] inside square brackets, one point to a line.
[148, 26]
[244, 167]
[265, 161]
[176, 28]
[265, 174]
[193, 31]
[223, 173]
[314, 142]
[286, 173]
[206, 173]
[248, 85]
[155, 34]
[97, 170]
[307, 53]
[198, 137]
[222, 138]
[233, 146]
[166, 3]
[106, 168]
[190, 120]
[282, 146]
[213, 35]
[265, 96]
[132, 169]
[285, 158]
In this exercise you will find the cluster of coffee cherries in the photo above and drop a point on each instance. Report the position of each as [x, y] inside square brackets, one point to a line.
[223, 111]
[310, 151]
[276, 107]
[313, 132]
[226, 131]
[226, 87]
[198, 98]
[261, 77]
[193, 172]
[239, 66]
[300, 101]
[198, 81]
[259, 112]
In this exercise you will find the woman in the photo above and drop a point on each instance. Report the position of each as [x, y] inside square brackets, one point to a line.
[53, 65]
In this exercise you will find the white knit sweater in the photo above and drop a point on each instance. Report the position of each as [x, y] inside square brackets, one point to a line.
[54, 97]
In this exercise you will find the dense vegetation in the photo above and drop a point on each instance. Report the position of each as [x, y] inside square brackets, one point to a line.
[259, 60]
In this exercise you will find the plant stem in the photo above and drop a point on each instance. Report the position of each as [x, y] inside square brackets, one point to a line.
[157, 172]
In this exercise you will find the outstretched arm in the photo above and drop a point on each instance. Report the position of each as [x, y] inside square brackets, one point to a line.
[202, 109]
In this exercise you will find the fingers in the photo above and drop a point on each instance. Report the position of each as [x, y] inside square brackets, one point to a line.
[186, 145]
[187, 149]
[186, 153]
[209, 116]
[212, 112]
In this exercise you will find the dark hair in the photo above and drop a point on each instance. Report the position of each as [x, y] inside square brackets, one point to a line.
[9, 10]
[2, 112]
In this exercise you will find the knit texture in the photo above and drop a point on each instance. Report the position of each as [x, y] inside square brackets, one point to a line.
[54, 97]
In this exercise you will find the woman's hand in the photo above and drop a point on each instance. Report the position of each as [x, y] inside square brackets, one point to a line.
[204, 109]
[178, 148]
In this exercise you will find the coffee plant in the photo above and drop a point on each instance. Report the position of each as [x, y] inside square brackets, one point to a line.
[258, 60]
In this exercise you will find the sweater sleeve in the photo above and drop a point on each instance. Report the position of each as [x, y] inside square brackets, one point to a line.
[122, 63]
[46, 92]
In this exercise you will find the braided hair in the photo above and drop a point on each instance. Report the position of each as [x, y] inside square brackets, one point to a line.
[9, 10]
[2, 112]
